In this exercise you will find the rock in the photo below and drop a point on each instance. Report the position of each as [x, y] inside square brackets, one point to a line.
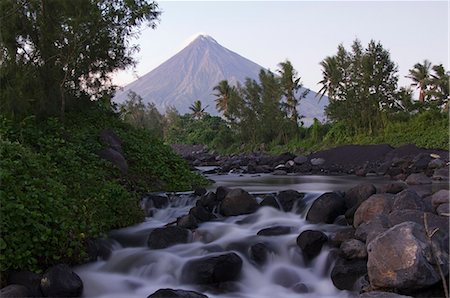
[409, 263]
[289, 164]
[30, 280]
[299, 160]
[317, 161]
[270, 200]
[393, 187]
[212, 270]
[342, 235]
[279, 173]
[346, 272]
[443, 210]
[167, 236]
[356, 195]
[209, 201]
[200, 191]
[170, 293]
[441, 174]
[288, 199]
[434, 221]
[418, 179]
[285, 277]
[407, 199]
[420, 162]
[14, 291]
[275, 231]
[300, 288]
[238, 202]
[311, 243]
[110, 139]
[221, 192]
[187, 221]
[440, 197]
[259, 253]
[375, 205]
[326, 208]
[100, 248]
[116, 158]
[366, 232]
[61, 281]
[150, 202]
[353, 249]
[436, 163]
[378, 294]
[201, 214]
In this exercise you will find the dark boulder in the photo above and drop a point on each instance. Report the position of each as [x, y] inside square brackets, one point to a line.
[353, 249]
[116, 158]
[14, 291]
[221, 192]
[150, 202]
[393, 187]
[407, 199]
[167, 236]
[288, 199]
[346, 272]
[311, 243]
[375, 205]
[270, 200]
[201, 214]
[170, 293]
[209, 201]
[326, 208]
[275, 231]
[299, 160]
[30, 280]
[212, 270]
[187, 221]
[418, 179]
[109, 139]
[61, 281]
[356, 195]
[342, 235]
[100, 248]
[378, 294]
[259, 253]
[238, 202]
[367, 231]
[200, 191]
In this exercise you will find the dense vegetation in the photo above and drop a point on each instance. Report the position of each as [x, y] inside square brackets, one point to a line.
[56, 192]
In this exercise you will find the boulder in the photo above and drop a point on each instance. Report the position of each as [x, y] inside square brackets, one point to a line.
[109, 139]
[393, 187]
[443, 210]
[201, 214]
[441, 174]
[100, 248]
[420, 162]
[259, 253]
[356, 195]
[418, 179]
[187, 221]
[270, 200]
[28, 279]
[199, 191]
[409, 263]
[170, 293]
[311, 243]
[375, 205]
[212, 270]
[353, 249]
[436, 163]
[341, 235]
[14, 291]
[317, 161]
[221, 192]
[275, 231]
[346, 272]
[433, 221]
[288, 199]
[150, 202]
[326, 208]
[116, 158]
[407, 199]
[238, 202]
[209, 201]
[167, 236]
[440, 197]
[367, 231]
[61, 281]
[299, 160]
[279, 173]
[378, 294]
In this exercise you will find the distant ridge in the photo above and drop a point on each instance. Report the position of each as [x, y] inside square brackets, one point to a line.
[192, 73]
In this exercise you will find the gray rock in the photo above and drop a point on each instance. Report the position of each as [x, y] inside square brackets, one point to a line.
[353, 249]
[170, 293]
[393, 187]
[259, 253]
[346, 272]
[279, 173]
[288, 199]
[167, 236]
[338, 237]
[443, 210]
[212, 270]
[408, 199]
[436, 163]
[375, 205]
[378, 294]
[116, 158]
[317, 161]
[275, 231]
[326, 208]
[441, 174]
[30, 280]
[238, 202]
[311, 243]
[356, 195]
[366, 232]
[187, 221]
[440, 197]
[14, 291]
[270, 200]
[409, 263]
[418, 179]
[299, 160]
[61, 281]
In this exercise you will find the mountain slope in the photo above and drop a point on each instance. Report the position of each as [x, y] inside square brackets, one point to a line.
[193, 72]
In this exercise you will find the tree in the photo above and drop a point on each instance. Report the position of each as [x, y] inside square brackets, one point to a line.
[420, 75]
[69, 48]
[439, 85]
[223, 96]
[197, 110]
[332, 78]
[290, 85]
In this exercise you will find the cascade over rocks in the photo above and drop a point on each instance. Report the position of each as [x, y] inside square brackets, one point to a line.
[290, 198]
[311, 243]
[170, 293]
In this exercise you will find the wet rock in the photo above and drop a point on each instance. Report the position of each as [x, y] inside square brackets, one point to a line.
[441, 174]
[285, 277]
[436, 164]
[443, 210]
[311, 243]
[342, 235]
[300, 288]
[200, 191]
[167, 236]
[201, 214]
[408, 199]
[187, 221]
[420, 162]
[353, 249]
[418, 179]
[212, 270]
[393, 187]
[150, 202]
[434, 221]
[14, 291]
[299, 160]
[356, 195]
[170, 293]
[221, 192]
[279, 173]
[375, 205]
[366, 232]
[238, 202]
[378, 294]
[340, 221]
[409, 263]
[290, 198]
[346, 272]
[440, 197]
[275, 231]
[270, 200]
[100, 248]
[209, 201]
[326, 208]
[30, 280]
[116, 158]
[259, 253]
[61, 281]
[317, 161]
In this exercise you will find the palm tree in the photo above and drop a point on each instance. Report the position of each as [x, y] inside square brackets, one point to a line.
[440, 83]
[290, 83]
[332, 78]
[420, 75]
[197, 110]
[223, 96]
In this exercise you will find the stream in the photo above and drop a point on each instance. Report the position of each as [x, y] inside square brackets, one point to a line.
[134, 270]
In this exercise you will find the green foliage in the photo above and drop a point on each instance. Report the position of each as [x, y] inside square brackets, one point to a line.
[56, 192]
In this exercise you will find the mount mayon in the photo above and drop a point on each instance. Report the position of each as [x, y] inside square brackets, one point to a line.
[192, 73]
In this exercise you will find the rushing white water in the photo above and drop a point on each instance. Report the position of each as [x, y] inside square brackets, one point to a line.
[134, 270]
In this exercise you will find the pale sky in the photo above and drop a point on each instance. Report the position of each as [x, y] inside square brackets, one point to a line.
[305, 32]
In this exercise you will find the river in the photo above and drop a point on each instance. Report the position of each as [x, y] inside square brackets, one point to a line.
[134, 270]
